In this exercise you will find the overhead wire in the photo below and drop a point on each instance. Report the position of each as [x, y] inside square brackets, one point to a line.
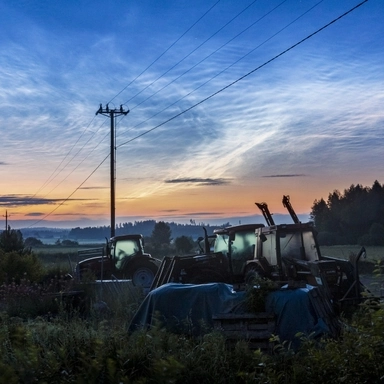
[231, 65]
[161, 55]
[56, 172]
[244, 76]
[78, 165]
[52, 177]
[211, 96]
[67, 198]
[213, 52]
[191, 52]
[82, 161]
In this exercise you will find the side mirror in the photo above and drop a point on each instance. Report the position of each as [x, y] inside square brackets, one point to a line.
[263, 238]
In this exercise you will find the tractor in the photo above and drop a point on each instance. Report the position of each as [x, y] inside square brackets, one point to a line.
[122, 257]
[285, 253]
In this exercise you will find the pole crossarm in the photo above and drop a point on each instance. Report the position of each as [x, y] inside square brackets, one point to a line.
[115, 111]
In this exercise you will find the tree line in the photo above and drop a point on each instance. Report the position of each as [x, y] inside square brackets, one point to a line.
[160, 241]
[143, 227]
[355, 217]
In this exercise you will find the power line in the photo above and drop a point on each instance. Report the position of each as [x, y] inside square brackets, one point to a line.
[52, 177]
[222, 71]
[211, 96]
[194, 50]
[66, 199]
[225, 69]
[159, 57]
[212, 53]
[78, 165]
[56, 172]
[246, 75]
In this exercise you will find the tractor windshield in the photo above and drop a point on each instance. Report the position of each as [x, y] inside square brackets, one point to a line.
[221, 244]
[124, 249]
[242, 248]
[298, 245]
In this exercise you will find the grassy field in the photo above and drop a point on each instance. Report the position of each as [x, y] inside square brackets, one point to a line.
[54, 249]
[61, 257]
[344, 251]
[65, 258]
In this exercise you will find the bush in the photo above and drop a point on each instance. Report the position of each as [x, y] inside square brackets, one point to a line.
[32, 242]
[90, 351]
[15, 267]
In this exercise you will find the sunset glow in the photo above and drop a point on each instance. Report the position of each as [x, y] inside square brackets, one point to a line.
[231, 103]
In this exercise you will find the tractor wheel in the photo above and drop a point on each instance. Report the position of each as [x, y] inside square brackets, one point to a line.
[252, 274]
[143, 275]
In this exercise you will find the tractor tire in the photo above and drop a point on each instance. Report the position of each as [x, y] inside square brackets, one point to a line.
[142, 275]
[252, 274]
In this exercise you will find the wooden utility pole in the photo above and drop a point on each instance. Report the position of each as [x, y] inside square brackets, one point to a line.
[6, 220]
[112, 113]
[7, 230]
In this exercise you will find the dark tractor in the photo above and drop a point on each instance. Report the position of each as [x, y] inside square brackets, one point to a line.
[290, 253]
[123, 257]
[232, 248]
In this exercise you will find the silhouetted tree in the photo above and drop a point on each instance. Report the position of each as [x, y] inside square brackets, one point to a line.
[184, 244]
[32, 242]
[11, 240]
[352, 217]
[161, 234]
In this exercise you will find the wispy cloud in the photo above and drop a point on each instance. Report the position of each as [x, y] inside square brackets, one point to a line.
[293, 175]
[198, 181]
[20, 200]
[314, 111]
[35, 214]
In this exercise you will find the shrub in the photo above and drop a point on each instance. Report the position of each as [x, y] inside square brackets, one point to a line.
[15, 267]
[85, 351]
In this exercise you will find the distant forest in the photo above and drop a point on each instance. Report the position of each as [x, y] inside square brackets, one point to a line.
[144, 228]
[353, 217]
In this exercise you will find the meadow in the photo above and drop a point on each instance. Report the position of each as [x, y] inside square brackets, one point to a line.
[373, 253]
[46, 339]
[65, 258]
[68, 347]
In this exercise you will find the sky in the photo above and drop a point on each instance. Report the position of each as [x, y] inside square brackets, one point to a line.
[230, 103]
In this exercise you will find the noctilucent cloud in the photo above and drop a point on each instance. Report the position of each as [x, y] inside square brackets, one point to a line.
[230, 103]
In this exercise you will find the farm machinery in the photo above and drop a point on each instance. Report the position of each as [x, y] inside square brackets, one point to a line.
[285, 253]
[232, 247]
[123, 257]
[290, 253]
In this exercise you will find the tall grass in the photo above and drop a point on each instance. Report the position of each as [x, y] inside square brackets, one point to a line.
[45, 338]
[344, 251]
[94, 350]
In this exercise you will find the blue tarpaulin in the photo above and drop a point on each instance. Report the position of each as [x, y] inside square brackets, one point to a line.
[186, 307]
[295, 313]
[189, 308]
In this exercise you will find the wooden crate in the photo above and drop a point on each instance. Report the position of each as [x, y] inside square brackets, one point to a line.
[255, 329]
